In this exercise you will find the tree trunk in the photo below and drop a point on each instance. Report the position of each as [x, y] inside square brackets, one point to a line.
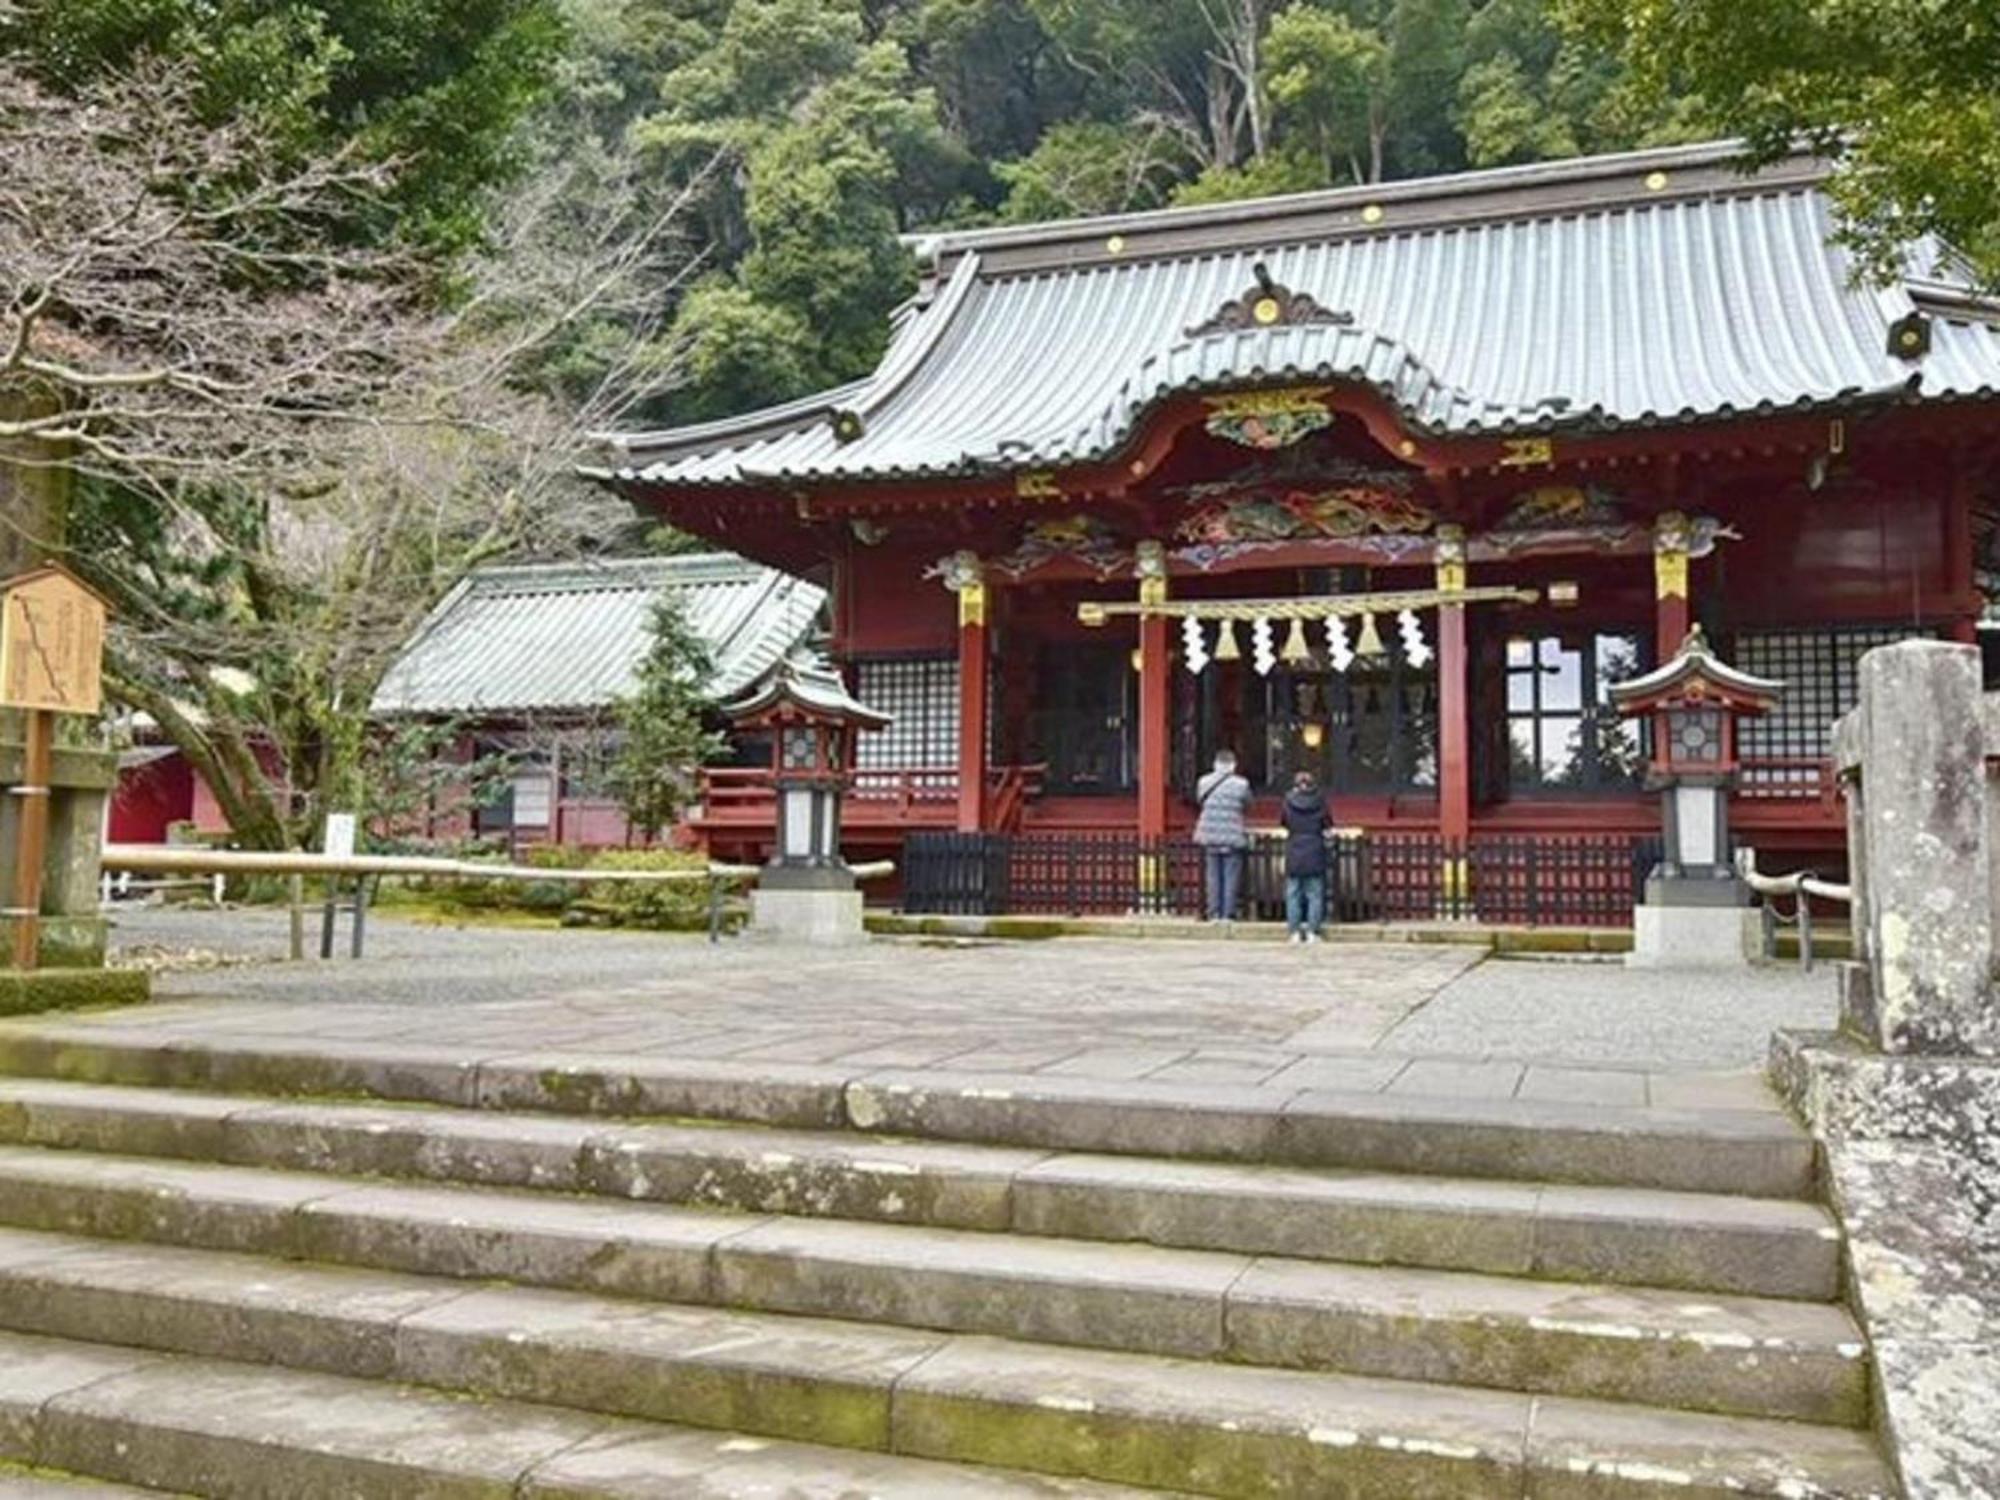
[34, 491]
[1253, 80]
[254, 821]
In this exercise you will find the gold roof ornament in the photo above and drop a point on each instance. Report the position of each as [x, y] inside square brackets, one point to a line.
[1268, 304]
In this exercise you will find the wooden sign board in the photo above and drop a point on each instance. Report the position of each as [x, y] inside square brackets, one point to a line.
[51, 643]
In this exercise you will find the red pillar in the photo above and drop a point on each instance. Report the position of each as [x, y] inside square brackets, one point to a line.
[1155, 724]
[1959, 560]
[1673, 606]
[972, 697]
[1454, 715]
[1155, 694]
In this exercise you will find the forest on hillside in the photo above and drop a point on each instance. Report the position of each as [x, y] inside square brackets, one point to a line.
[819, 130]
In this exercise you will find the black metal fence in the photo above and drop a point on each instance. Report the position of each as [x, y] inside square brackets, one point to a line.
[1537, 880]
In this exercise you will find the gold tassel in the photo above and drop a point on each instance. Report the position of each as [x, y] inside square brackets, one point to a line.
[1296, 650]
[1226, 648]
[1370, 643]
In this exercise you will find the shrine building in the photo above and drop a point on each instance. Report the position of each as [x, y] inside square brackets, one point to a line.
[1389, 483]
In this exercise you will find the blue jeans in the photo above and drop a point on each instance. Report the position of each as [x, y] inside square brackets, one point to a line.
[1224, 871]
[1305, 902]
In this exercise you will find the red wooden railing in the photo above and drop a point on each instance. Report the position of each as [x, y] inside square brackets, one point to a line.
[1797, 778]
[742, 795]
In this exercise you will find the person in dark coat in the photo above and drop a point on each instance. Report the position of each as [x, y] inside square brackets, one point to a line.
[1306, 862]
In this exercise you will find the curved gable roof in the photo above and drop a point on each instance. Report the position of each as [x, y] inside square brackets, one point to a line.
[1652, 287]
[569, 637]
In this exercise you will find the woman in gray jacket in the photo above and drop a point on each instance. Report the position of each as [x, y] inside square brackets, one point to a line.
[1223, 798]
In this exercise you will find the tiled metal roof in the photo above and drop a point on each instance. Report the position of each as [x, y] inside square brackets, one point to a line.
[569, 637]
[1653, 287]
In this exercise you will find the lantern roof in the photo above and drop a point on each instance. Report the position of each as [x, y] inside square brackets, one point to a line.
[811, 688]
[1696, 675]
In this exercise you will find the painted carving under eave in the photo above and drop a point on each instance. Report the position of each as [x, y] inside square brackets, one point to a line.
[1558, 519]
[1268, 420]
[1557, 507]
[1296, 499]
[1083, 537]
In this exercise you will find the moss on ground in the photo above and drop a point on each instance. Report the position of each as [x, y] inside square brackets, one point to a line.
[71, 989]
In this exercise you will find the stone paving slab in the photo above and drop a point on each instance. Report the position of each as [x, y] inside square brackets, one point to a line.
[1222, 1011]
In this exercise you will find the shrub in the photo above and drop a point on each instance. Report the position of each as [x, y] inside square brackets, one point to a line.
[677, 906]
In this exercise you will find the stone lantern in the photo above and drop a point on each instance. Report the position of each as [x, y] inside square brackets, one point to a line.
[1695, 904]
[806, 889]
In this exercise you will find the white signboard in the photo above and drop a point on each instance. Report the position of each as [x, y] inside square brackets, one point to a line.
[340, 835]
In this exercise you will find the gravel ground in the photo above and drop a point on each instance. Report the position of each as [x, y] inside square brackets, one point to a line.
[1606, 1013]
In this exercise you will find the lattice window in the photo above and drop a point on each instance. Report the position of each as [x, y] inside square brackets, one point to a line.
[922, 693]
[1817, 668]
[1563, 734]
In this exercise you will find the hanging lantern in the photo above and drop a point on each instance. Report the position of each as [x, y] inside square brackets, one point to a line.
[1226, 648]
[1339, 654]
[1193, 646]
[1296, 651]
[1370, 643]
[1415, 652]
[1263, 653]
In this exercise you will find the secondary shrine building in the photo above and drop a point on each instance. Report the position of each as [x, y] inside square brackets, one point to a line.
[1553, 416]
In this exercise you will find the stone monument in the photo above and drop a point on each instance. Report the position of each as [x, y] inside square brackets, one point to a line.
[1905, 1096]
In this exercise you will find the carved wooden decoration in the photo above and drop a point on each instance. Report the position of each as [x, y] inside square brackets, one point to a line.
[1268, 305]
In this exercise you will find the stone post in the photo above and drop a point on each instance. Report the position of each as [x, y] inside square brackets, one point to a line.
[1912, 759]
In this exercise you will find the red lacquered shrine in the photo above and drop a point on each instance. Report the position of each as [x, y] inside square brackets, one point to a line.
[1392, 483]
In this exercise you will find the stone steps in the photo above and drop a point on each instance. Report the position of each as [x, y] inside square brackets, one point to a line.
[1740, 1355]
[1752, 1153]
[1701, 1242]
[18, 1483]
[240, 1431]
[703, 1278]
[1203, 1427]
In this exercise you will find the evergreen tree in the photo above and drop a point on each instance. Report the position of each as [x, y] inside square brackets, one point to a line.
[663, 732]
[1904, 93]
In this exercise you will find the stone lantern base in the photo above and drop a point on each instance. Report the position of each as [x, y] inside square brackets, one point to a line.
[1695, 937]
[820, 916]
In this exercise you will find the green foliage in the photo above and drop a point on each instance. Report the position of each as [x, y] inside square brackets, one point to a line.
[663, 726]
[1532, 93]
[1091, 167]
[1287, 171]
[1328, 78]
[739, 351]
[440, 86]
[831, 147]
[1905, 92]
[664, 906]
